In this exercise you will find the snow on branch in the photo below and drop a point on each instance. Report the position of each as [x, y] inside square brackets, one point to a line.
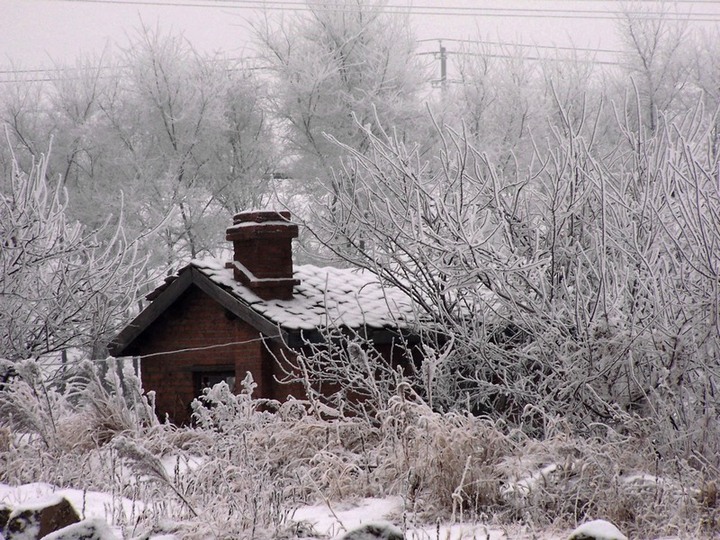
[61, 286]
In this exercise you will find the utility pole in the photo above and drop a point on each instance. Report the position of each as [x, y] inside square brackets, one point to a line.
[443, 66]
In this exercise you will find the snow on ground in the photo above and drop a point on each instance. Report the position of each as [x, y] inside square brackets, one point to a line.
[334, 519]
[89, 504]
[529, 483]
[176, 465]
[598, 529]
[329, 520]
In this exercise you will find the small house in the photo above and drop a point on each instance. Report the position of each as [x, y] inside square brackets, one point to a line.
[215, 320]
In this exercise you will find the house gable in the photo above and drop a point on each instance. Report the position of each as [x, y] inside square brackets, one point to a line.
[126, 343]
[195, 342]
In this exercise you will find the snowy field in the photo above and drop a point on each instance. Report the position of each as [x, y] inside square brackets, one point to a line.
[321, 521]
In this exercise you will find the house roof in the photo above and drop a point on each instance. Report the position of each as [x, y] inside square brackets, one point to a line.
[325, 297]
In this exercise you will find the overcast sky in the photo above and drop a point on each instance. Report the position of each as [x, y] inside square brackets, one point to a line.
[36, 34]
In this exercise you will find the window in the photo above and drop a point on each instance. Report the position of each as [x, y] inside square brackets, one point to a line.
[208, 379]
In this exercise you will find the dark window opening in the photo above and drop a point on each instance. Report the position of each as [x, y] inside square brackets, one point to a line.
[208, 379]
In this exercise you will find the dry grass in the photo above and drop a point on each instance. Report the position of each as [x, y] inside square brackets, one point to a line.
[243, 469]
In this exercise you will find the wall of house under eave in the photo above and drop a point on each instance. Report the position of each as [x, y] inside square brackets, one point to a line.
[281, 360]
[394, 352]
[195, 321]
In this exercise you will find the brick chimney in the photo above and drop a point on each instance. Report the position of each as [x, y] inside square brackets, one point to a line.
[262, 241]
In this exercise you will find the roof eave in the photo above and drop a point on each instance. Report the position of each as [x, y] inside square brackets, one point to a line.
[237, 307]
[151, 313]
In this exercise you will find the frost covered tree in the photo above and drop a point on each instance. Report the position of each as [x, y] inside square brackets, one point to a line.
[499, 99]
[705, 68]
[60, 287]
[585, 287]
[506, 98]
[20, 119]
[67, 109]
[245, 158]
[657, 62]
[183, 137]
[194, 142]
[334, 60]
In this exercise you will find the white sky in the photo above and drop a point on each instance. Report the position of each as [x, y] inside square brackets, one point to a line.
[37, 34]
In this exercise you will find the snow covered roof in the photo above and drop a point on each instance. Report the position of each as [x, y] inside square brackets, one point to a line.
[325, 296]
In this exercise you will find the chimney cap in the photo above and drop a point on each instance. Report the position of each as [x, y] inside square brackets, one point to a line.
[261, 216]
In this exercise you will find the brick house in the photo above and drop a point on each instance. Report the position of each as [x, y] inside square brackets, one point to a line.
[215, 321]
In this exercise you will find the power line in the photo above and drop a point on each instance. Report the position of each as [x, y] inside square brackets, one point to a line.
[538, 13]
[117, 69]
[120, 67]
[260, 68]
[527, 45]
[425, 53]
[538, 58]
[506, 45]
[49, 362]
[711, 2]
[204, 348]
[101, 67]
[273, 4]
[58, 69]
[410, 6]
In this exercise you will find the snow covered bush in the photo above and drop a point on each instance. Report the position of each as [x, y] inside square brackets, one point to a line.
[446, 465]
[345, 374]
[583, 286]
[64, 420]
[84, 409]
[221, 410]
[60, 287]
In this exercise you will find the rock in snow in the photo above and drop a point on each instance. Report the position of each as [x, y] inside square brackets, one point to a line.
[598, 529]
[40, 519]
[375, 531]
[5, 512]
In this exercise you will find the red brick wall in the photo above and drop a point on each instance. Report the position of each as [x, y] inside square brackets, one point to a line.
[196, 321]
[277, 356]
[266, 256]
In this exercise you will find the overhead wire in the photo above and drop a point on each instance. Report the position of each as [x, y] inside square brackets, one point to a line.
[260, 68]
[102, 67]
[521, 45]
[117, 68]
[464, 11]
[272, 4]
[538, 58]
[57, 363]
[486, 54]
[411, 9]
[712, 2]
[506, 45]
